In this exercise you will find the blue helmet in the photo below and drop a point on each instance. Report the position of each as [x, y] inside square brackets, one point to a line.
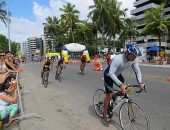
[133, 49]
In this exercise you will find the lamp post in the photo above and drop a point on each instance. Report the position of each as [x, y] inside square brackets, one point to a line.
[9, 44]
[145, 40]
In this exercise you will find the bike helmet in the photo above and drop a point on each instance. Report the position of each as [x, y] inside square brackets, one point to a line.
[133, 49]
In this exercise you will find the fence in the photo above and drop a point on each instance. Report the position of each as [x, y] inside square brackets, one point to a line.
[22, 115]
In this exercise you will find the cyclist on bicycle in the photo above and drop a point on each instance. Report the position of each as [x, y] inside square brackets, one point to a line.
[47, 65]
[60, 63]
[82, 61]
[112, 74]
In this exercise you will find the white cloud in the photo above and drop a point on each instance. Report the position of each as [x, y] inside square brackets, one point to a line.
[21, 28]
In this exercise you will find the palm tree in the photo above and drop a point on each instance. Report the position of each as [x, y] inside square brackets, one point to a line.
[100, 14]
[156, 23]
[83, 31]
[3, 13]
[115, 24]
[129, 30]
[51, 27]
[167, 2]
[70, 18]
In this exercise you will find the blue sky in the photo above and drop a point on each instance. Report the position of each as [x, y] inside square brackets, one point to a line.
[28, 15]
[24, 8]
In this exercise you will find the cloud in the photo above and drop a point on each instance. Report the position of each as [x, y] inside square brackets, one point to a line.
[22, 28]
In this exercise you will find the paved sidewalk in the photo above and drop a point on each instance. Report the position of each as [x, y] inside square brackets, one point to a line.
[153, 65]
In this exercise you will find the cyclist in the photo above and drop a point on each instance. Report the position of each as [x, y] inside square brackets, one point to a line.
[60, 63]
[47, 65]
[112, 74]
[82, 61]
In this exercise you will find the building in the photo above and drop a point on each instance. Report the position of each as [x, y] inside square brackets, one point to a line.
[138, 13]
[35, 44]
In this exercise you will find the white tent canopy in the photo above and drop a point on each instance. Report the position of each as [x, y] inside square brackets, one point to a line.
[75, 47]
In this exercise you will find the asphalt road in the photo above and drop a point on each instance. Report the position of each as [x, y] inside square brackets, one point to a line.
[68, 105]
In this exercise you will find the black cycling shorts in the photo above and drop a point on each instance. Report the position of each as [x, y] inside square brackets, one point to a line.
[108, 82]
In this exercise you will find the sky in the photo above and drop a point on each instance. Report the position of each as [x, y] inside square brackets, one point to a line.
[27, 16]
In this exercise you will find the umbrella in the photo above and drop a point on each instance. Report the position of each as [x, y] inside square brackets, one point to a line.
[154, 48]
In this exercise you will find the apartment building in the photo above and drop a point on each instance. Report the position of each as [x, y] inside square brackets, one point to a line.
[138, 13]
[31, 46]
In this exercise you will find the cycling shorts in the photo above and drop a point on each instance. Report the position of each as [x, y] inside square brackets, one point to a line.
[108, 82]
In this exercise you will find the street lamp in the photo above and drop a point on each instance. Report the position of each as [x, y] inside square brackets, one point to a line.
[145, 40]
[9, 44]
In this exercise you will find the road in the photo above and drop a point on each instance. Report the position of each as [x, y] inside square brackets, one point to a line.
[68, 105]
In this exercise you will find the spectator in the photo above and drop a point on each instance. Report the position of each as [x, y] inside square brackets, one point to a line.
[8, 106]
[164, 60]
[158, 59]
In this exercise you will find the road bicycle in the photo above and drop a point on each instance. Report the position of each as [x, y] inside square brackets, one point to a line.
[83, 68]
[131, 115]
[59, 75]
[45, 78]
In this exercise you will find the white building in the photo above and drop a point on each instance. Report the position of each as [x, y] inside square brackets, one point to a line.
[138, 13]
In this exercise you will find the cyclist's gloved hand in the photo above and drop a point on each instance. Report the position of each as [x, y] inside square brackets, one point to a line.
[123, 88]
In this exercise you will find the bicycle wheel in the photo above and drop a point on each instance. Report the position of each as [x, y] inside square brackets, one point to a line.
[98, 100]
[60, 76]
[45, 80]
[133, 117]
[82, 71]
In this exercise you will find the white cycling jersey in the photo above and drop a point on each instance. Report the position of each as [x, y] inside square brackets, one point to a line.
[118, 64]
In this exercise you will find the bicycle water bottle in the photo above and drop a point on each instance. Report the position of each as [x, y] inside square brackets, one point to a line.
[118, 99]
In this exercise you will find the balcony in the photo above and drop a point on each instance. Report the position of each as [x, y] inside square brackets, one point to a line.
[167, 9]
[143, 8]
[137, 3]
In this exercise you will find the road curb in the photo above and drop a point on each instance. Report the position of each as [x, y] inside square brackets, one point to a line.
[160, 66]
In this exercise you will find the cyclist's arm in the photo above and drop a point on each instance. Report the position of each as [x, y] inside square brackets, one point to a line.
[51, 65]
[113, 68]
[43, 65]
[136, 69]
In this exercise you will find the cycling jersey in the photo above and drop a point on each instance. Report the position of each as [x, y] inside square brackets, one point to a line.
[83, 58]
[118, 64]
[60, 62]
[47, 66]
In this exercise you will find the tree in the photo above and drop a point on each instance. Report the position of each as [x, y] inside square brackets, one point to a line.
[100, 15]
[156, 23]
[70, 18]
[129, 30]
[3, 43]
[3, 13]
[51, 26]
[83, 31]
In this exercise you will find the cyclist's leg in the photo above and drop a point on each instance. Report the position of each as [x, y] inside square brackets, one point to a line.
[120, 77]
[108, 82]
[80, 65]
[42, 73]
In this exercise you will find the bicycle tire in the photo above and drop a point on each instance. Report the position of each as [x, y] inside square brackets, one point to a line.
[98, 100]
[82, 71]
[129, 122]
[45, 79]
[60, 76]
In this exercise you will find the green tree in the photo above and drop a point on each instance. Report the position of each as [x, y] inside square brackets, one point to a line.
[3, 13]
[51, 26]
[70, 18]
[3, 43]
[156, 23]
[100, 15]
[129, 30]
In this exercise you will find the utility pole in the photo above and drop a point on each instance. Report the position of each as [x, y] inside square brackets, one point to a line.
[9, 44]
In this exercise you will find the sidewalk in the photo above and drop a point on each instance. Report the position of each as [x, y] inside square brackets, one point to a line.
[153, 65]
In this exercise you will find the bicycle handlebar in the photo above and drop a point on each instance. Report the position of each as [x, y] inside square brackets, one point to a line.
[137, 86]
